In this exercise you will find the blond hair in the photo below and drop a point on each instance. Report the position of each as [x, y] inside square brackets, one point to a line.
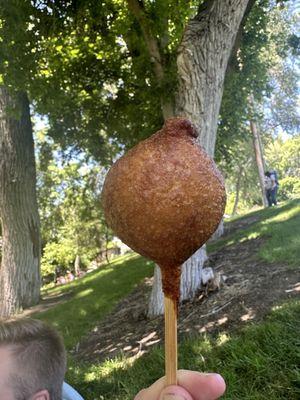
[39, 356]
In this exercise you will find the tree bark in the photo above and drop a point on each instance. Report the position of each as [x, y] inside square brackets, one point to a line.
[259, 160]
[237, 191]
[202, 62]
[77, 265]
[257, 147]
[20, 265]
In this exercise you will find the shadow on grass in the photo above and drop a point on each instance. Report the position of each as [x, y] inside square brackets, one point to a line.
[251, 289]
[258, 362]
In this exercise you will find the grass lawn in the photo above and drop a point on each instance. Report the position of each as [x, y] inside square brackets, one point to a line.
[94, 296]
[258, 362]
[280, 225]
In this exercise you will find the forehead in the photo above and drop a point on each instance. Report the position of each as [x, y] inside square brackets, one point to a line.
[6, 369]
[6, 360]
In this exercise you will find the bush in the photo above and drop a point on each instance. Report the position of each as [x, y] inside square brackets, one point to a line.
[55, 255]
[289, 188]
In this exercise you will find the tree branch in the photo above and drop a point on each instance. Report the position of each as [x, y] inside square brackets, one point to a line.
[137, 9]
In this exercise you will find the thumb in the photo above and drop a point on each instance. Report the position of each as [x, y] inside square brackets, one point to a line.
[174, 393]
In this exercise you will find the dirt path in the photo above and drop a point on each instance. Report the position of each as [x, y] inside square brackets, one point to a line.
[251, 289]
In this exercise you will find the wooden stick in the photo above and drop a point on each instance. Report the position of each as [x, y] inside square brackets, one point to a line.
[171, 341]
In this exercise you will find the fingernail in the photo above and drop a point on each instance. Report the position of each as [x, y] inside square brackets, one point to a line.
[219, 377]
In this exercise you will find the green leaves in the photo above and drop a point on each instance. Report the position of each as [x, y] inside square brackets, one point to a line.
[69, 203]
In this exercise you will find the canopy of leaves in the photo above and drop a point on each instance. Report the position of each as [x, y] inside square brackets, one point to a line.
[260, 73]
[87, 67]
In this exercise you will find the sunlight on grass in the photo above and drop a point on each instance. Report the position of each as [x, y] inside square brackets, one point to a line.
[259, 362]
[102, 270]
[280, 226]
[93, 296]
[222, 338]
[84, 293]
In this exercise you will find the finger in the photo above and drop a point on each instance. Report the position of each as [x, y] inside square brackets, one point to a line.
[174, 393]
[200, 386]
[163, 393]
[153, 391]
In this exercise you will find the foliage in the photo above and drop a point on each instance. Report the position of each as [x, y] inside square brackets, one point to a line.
[70, 210]
[289, 188]
[263, 69]
[241, 178]
[57, 255]
[280, 155]
[280, 104]
[92, 71]
[247, 75]
[284, 157]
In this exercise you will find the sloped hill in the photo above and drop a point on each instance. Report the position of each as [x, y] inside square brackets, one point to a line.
[258, 259]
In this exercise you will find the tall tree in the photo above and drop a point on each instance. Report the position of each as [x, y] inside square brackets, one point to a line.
[19, 271]
[202, 62]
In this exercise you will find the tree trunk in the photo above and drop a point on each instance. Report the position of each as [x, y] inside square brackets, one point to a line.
[77, 265]
[257, 146]
[156, 301]
[20, 265]
[259, 160]
[202, 61]
[237, 191]
[191, 278]
[219, 231]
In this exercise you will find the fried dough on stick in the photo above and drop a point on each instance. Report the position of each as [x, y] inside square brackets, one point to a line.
[165, 198]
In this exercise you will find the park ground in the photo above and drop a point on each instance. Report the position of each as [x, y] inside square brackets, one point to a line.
[248, 329]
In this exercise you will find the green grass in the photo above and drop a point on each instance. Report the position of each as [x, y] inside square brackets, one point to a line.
[259, 362]
[281, 228]
[93, 296]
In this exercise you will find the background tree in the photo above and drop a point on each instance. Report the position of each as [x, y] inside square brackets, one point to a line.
[20, 263]
[261, 70]
[72, 222]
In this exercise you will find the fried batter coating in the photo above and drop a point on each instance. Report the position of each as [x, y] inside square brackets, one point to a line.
[165, 197]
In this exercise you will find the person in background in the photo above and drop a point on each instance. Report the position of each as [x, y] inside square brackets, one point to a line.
[33, 366]
[268, 187]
